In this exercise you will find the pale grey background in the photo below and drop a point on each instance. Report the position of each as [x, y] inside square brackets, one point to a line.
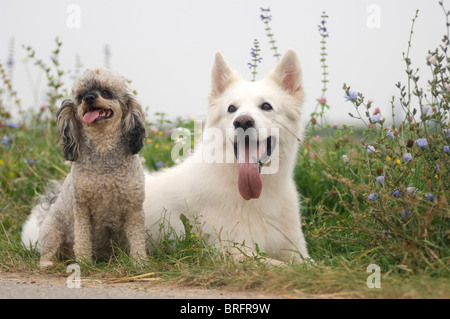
[167, 47]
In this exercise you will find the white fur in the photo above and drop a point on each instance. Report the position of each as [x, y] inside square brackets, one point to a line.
[30, 232]
[208, 192]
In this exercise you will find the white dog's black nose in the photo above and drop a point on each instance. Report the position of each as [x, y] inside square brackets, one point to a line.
[90, 97]
[244, 122]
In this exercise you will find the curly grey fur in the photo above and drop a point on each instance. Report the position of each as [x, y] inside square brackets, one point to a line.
[100, 201]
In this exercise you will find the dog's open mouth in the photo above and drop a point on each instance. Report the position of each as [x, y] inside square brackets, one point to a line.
[251, 156]
[97, 115]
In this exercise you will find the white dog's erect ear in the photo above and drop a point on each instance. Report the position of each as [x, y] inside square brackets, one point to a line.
[288, 73]
[221, 75]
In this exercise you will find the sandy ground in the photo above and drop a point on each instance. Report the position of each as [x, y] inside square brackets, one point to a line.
[32, 286]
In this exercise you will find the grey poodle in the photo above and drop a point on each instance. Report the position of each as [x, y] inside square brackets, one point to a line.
[99, 204]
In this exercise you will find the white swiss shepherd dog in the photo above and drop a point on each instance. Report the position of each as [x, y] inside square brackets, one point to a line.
[245, 200]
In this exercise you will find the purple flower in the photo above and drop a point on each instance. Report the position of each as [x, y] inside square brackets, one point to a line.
[6, 140]
[265, 16]
[345, 159]
[351, 96]
[11, 124]
[406, 213]
[159, 164]
[376, 118]
[390, 134]
[31, 162]
[373, 196]
[429, 196]
[407, 157]
[422, 142]
[380, 179]
[446, 148]
[370, 149]
[396, 192]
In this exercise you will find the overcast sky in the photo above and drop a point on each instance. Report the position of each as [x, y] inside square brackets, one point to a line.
[167, 47]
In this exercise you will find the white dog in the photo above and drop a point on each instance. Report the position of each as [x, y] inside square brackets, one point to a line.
[245, 199]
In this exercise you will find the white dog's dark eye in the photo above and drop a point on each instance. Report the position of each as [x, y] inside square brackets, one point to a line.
[266, 107]
[106, 94]
[232, 109]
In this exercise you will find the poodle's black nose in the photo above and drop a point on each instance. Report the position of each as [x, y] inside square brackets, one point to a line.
[90, 97]
[244, 122]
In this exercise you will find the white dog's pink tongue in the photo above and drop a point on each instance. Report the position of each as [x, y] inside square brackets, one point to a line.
[91, 116]
[249, 181]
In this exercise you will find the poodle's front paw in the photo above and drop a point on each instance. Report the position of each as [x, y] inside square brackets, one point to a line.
[45, 263]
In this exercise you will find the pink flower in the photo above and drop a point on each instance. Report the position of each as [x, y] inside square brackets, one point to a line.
[377, 111]
[322, 100]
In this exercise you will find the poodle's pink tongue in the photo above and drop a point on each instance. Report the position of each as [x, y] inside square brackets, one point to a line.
[91, 116]
[249, 180]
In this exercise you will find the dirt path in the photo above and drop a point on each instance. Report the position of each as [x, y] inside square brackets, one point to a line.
[19, 285]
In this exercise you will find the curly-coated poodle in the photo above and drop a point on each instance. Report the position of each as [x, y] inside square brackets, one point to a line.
[99, 204]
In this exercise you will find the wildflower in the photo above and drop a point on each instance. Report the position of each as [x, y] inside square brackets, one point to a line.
[422, 142]
[397, 162]
[406, 213]
[376, 111]
[370, 149]
[167, 133]
[431, 59]
[396, 192]
[411, 190]
[407, 157]
[31, 162]
[159, 164]
[6, 140]
[322, 100]
[390, 134]
[351, 96]
[265, 16]
[2, 162]
[388, 159]
[380, 179]
[153, 130]
[429, 196]
[409, 118]
[446, 148]
[373, 196]
[11, 124]
[424, 110]
[345, 159]
[376, 118]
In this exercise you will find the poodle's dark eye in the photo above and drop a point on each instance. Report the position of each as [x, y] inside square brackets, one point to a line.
[266, 107]
[232, 109]
[106, 94]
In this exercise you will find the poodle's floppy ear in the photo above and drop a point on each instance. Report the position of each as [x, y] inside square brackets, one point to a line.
[133, 125]
[69, 130]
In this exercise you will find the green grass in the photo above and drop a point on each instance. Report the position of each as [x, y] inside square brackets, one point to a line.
[342, 255]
